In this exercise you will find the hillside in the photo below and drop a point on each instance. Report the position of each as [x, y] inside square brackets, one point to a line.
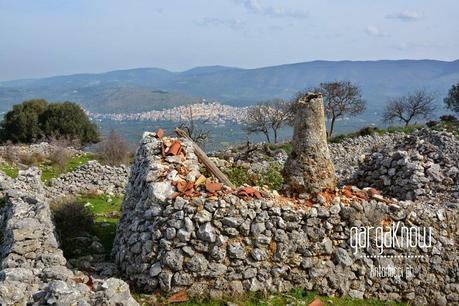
[153, 88]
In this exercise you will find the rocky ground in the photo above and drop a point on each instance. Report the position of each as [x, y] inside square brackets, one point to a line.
[422, 167]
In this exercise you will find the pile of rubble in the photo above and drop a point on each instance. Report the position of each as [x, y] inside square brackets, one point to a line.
[91, 177]
[346, 156]
[33, 267]
[422, 165]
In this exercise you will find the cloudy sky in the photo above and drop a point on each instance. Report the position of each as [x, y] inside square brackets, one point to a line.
[49, 37]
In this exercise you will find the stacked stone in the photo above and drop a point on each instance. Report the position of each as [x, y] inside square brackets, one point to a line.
[346, 156]
[425, 164]
[223, 245]
[90, 177]
[33, 268]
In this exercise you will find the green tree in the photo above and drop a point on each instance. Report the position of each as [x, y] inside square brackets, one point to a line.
[68, 120]
[452, 99]
[21, 124]
[36, 119]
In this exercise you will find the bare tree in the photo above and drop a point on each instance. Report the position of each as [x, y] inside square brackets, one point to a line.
[341, 98]
[200, 136]
[269, 116]
[113, 149]
[420, 104]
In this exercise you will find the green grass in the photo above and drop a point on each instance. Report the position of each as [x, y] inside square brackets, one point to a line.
[50, 170]
[375, 131]
[106, 216]
[450, 126]
[10, 170]
[286, 146]
[294, 297]
[272, 177]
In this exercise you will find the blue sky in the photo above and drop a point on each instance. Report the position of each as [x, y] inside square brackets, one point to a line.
[49, 37]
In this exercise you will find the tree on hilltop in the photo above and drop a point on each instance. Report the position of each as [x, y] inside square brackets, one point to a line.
[420, 104]
[340, 98]
[268, 116]
[35, 120]
[21, 124]
[452, 99]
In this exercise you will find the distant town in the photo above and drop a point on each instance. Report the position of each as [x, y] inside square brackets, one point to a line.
[210, 112]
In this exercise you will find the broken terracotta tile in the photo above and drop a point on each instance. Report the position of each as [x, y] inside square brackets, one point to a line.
[347, 193]
[181, 296]
[160, 133]
[174, 149]
[316, 302]
[213, 187]
[175, 195]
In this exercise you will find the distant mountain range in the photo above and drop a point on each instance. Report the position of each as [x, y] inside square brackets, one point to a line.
[144, 89]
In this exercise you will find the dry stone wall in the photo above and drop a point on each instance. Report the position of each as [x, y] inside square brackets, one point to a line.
[89, 178]
[33, 269]
[221, 243]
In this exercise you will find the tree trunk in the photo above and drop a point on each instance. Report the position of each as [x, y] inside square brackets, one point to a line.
[309, 168]
[275, 135]
[332, 126]
[267, 137]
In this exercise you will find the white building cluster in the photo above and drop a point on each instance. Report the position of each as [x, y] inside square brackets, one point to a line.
[213, 112]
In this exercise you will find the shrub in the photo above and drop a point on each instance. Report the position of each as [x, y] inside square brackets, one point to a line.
[366, 131]
[60, 157]
[113, 150]
[272, 177]
[71, 219]
[431, 123]
[22, 123]
[68, 120]
[448, 118]
[31, 159]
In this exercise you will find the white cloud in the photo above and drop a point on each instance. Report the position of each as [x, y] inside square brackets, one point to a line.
[408, 15]
[255, 6]
[375, 31]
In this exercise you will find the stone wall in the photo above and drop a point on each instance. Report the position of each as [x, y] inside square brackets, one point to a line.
[91, 177]
[422, 165]
[229, 242]
[33, 268]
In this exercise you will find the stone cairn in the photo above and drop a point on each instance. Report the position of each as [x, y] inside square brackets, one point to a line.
[309, 168]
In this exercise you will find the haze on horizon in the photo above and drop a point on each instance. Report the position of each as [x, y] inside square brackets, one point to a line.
[54, 37]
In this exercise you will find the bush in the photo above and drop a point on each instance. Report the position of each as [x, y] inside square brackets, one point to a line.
[60, 157]
[432, 123]
[448, 118]
[113, 150]
[35, 120]
[272, 177]
[71, 219]
[31, 159]
[366, 131]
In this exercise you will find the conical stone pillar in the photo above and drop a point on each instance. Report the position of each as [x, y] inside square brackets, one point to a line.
[309, 168]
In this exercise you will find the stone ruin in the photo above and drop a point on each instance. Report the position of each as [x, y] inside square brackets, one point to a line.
[309, 168]
[33, 269]
[182, 231]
